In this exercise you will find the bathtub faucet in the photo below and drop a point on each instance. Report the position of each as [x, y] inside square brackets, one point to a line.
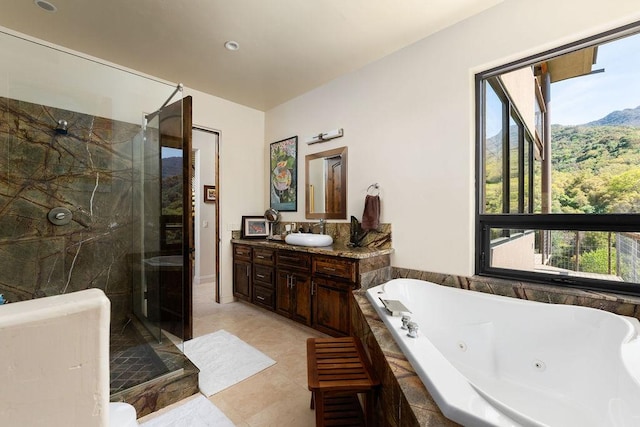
[405, 321]
[413, 330]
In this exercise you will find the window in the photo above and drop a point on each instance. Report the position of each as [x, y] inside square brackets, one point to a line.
[559, 166]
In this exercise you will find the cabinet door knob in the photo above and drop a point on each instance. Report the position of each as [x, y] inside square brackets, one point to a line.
[313, 286]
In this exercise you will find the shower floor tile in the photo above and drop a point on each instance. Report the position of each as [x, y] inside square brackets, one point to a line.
[132, 360]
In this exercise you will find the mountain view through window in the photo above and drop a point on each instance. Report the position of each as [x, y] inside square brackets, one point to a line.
[561, 138]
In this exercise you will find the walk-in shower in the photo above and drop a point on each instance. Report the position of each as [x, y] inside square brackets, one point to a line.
[86, 149]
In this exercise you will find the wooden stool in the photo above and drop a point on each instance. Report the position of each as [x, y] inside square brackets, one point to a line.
[338, 369]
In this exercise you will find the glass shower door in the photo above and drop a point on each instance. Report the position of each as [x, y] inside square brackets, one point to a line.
[146, 214]
[162, 296]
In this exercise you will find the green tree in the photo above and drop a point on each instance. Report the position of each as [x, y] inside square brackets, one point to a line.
[624, 191]
[597, 261]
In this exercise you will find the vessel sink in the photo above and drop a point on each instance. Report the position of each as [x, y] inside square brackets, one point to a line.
[308, 239]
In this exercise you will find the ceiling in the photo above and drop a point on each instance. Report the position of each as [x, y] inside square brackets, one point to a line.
[287, 47]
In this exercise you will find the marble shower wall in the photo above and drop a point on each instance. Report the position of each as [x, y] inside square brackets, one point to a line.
[89, 172]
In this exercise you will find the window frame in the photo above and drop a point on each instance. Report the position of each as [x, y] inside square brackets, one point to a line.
[539, 221]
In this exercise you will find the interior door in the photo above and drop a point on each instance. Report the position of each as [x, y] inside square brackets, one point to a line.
[177, 210]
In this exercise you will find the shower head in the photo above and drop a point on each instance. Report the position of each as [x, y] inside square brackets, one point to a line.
[61, 129]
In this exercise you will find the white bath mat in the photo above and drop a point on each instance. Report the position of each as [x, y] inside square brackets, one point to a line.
[198, 412]
[224, 360]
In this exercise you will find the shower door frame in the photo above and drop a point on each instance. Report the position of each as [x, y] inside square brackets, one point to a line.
[184, 107]
[173, 131]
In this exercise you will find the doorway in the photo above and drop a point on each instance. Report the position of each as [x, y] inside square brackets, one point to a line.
[206, 207]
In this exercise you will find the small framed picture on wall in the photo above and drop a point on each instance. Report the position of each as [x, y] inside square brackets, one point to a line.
[209, 193]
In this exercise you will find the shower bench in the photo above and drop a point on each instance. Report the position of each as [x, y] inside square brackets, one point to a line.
[338, 370]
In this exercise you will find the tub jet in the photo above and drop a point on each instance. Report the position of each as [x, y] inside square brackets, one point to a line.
[61, 129]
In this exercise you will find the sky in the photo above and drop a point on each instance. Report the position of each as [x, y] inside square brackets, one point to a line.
[584, 99]
[171, 152]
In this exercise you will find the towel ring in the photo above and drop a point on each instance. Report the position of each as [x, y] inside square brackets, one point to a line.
[373, 188]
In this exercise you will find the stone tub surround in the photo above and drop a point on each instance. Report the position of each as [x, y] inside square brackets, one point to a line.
[404, 400]
[615, 303]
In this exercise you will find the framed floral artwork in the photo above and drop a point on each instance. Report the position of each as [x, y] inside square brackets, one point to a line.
[283, 182]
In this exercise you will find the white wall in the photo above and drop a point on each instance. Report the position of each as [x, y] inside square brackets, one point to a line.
[204, 146]
[409, 122]
[55, 354]
[242, 179]
[41, 73]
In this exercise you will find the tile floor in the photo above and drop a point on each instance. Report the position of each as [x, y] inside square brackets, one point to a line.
[277, 396]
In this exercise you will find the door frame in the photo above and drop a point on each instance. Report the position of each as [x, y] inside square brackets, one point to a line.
[216, 162]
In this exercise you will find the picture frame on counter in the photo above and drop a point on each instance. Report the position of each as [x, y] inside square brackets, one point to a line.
[254, 227]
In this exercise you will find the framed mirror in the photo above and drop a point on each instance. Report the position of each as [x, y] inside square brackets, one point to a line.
[326, 184]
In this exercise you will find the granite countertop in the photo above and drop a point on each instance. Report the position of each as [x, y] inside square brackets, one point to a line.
[334, 250]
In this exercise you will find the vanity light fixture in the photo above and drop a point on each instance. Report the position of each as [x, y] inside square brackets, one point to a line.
[325, 136]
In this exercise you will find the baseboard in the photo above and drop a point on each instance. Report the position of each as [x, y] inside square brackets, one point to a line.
[199, 280]
[227, 300]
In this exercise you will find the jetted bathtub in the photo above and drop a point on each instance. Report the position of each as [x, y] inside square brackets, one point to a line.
[489, 360]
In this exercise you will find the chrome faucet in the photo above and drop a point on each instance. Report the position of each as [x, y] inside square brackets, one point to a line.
[322, 224]
[413, 330]
[405, 321]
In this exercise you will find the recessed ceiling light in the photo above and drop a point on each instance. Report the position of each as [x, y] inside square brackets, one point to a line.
[45, 5]
[231, 45]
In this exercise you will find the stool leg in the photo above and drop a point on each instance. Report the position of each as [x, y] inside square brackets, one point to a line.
[319, 399]
[369, 404]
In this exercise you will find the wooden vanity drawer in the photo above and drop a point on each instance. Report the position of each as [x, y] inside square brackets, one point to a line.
[292, 259]
[263, 275]
[242, 251]
[264, 297]
[335, 267]
[264, 256]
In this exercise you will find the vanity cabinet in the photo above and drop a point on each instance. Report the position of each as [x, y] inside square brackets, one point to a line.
[333, 279]
[242, 267]
[308, 287]
[293, 286]
[331, 306]
[263, 278]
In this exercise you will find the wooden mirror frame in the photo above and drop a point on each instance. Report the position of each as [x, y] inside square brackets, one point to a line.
[342, 213]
